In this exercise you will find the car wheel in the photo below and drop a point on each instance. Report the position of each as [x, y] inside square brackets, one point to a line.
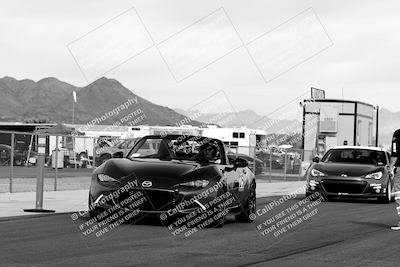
[92, 214]
[387, 198]
[249, 209]
[329, 198]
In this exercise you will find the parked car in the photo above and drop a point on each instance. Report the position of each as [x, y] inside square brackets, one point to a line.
[276, 161]
[351, 171]
[20, 154]
[5, 154]
[118, 150]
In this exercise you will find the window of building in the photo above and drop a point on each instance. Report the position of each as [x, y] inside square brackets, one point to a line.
[234, 144]
[235, 135]
[358, 133]
[241, 135]
[370, 133]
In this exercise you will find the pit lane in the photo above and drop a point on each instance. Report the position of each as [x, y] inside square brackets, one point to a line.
[341, 233]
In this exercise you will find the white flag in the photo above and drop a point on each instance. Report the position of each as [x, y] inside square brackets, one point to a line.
[74, 95]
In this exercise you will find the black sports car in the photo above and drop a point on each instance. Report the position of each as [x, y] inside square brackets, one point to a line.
[351, 171]
[173, 176]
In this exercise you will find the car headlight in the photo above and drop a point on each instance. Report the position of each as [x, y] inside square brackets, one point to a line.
[316, 173]
[105, 178]
[196, 183]
[375, 175]
[312, 183]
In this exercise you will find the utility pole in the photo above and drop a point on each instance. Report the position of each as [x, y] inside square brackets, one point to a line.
[40, 176]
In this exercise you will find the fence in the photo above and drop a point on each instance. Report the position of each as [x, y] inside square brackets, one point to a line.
[70, 159]
[273, 164]
[68, 163]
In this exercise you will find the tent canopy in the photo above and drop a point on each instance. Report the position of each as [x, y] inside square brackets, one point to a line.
[60, 129]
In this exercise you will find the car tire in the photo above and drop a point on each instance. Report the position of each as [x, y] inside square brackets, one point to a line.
[92, 214]
[329, 199]
[248, 213]
[387, 198]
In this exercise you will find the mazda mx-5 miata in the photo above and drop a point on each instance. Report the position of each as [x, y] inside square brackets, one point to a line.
[351, 172]
[176, 175]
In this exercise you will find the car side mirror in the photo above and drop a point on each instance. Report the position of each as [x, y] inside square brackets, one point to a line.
[316, 159]
[240, 163]
[118, 154]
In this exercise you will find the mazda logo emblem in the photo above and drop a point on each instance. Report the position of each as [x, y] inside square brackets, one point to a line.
[147, 183]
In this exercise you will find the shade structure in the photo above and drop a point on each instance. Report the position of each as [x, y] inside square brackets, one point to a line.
[60, 129]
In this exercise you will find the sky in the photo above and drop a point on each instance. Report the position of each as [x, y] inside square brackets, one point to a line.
[348, 48]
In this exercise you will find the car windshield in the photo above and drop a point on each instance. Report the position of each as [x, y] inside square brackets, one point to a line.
[357, 156]
[183, 147]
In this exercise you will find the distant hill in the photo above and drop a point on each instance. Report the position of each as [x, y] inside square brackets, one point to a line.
[388, 122]
[250, 119]
[51, 100]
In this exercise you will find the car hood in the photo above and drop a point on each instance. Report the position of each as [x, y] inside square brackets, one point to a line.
[161, 173]
[337, 169]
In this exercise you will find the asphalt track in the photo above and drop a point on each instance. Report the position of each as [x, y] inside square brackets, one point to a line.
[340, 233]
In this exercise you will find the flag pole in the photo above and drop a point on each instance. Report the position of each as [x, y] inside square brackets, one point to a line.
[73, 120]
[73, 106]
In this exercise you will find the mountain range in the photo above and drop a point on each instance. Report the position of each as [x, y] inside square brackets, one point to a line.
[246, 118]
[388, 122]
[51, 100]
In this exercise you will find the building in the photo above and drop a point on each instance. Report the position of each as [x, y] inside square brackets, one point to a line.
[243, 140]
[333, 122]
[20, 136]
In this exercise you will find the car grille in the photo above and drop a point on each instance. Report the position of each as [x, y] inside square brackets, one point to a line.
[340, 186]
[156, 200]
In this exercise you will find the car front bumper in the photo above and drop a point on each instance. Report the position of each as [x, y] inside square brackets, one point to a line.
[154, 201]
[352, 188]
